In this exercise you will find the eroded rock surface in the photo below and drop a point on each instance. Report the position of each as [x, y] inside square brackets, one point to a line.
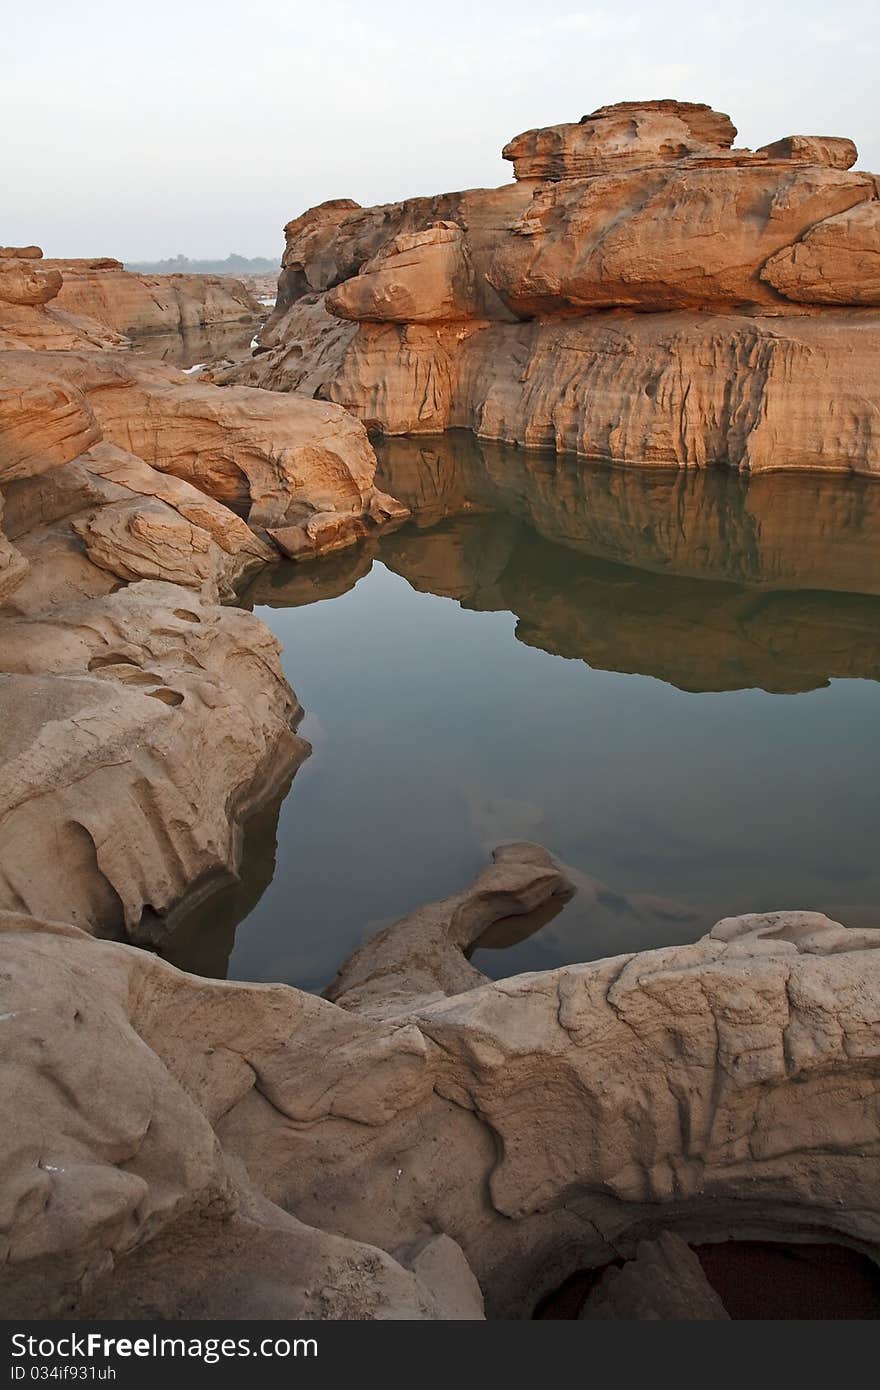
[102, 289]
[665, 1282]
[837, 261]
[141, 721]
[288, 463]
[427, 1144]
[629, 135]
[115, 804]
[538, 1125]
[759, 350]
[28, 286]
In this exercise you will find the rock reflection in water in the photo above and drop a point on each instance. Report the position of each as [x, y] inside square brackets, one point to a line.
[192, 346]
[777, 531]
[672, 801]
[203, 942]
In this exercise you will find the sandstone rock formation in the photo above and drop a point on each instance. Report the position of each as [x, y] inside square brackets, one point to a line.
[673, 237]
[835, 262]
[628, 135]
[425, 1144]
[302, 468]
[127, 302]
[423, 277]
[114, 803]
[254, 1151]
[141, 721]
[643, 293]
[27, 287]
[97, 302]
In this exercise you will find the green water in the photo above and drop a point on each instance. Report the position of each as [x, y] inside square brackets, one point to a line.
[671, 680]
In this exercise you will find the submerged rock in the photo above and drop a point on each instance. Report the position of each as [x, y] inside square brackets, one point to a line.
[427, 1144]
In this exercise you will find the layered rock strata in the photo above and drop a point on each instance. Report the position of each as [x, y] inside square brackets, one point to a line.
[643, 293]
[425, 1144]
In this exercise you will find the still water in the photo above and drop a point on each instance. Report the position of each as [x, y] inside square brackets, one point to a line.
[669, 679]
[192, 347]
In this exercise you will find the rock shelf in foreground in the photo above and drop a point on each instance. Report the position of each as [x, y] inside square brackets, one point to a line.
[192, 1148]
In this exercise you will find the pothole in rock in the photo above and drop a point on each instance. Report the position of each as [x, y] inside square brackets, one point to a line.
[756, 1280]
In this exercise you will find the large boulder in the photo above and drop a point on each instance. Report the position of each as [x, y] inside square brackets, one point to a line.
[672, 237]
[139, 728]
[628, 135]
[836, 261]
[117, 1194]
[422, 277]
[28, 285]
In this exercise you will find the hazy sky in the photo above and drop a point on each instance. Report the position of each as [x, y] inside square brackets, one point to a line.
[141, 130]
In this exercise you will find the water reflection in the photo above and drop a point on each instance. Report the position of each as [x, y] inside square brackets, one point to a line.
[203, 942]
[197, 346]
[657, 759]
[779, 531]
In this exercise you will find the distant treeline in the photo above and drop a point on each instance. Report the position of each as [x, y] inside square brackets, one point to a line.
[182, 265]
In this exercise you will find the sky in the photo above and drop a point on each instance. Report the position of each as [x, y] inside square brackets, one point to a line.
[201, 126]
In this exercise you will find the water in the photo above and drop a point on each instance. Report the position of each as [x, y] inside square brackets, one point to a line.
[671, 680]
[193, 347]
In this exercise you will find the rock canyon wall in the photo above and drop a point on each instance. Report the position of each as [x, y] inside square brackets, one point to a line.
[643, 292]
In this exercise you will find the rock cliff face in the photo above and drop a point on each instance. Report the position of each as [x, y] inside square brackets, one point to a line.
[643, 293]
[122, 302]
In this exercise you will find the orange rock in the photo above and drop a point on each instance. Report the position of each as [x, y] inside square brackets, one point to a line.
[419, 277]
[837, 261]
[333, 242]
[836, 152]
[732, 260]
[22, 282]
[683, 390]
[664, 238]
[101, 289]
